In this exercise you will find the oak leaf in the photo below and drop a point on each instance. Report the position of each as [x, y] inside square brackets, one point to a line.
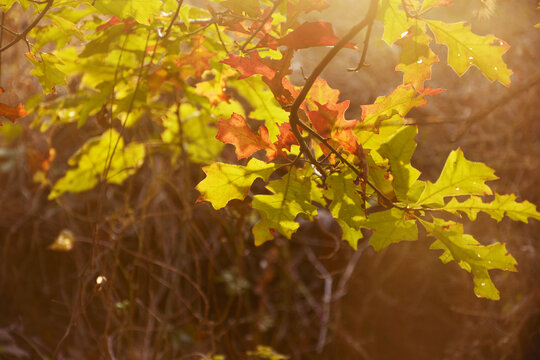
[225, 182]
[416, 57]
[249, 65]
[458, 177]
[236, 131]
[12, 112]
[466, 49]
[310, 34]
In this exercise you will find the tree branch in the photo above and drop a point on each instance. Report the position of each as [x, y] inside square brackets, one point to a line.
[293, 118]
[23, 34]
[263, 22]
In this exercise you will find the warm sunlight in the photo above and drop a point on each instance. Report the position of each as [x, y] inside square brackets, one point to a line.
[269, 179]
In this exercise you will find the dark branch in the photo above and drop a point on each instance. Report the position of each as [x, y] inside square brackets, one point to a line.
[362, 61]
[294, 119]
[23, 34]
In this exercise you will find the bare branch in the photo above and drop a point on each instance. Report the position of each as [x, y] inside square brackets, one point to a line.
[23, 34]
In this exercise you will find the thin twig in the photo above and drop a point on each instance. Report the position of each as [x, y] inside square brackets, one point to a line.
[362, 61]
[23, 34]
[293, 118]
[482, 114]
[175, 16]
[221, 38]
[341, 288]
[326, 300]
[5, 28]
[263, 22]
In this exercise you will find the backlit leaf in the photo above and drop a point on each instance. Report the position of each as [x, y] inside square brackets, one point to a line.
[466, 49]
[458, 177]
[395, 20]
[347, 205]
[141, 10]
[401, 101]
[390, 226]
[236, 131]
[265, 106]
[249, 65]
[225, 182]
[92, 160]
[291, 196]
[416, 57]
[12, 112]
[501, 206]
[46, 71]
[470, 255]
[310, 34]
[399, 150]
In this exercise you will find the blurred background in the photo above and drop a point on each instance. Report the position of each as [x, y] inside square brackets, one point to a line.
[187, 282]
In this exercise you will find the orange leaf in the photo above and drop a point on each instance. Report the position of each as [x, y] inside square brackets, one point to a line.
[115, 21]
[416, 57]
[249, 66]
[311, 34]
[286, 137]
[330, 122]
[236, 131]
[199, 58]
[12, 112]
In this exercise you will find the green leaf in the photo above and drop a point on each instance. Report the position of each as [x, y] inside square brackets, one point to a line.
[389, 227]
[399, 150]
[394, 19]
[470, 255]
[416, 57]
[371, 139]
[379, 175]
[501, 206]
[347, 206]
[458, 177]
[292, 195]
[466, 49]
[225, 182]
[46, 71]
[265, 106]
[143, 11]
[198, 135]
[91, 162]
[400, 101]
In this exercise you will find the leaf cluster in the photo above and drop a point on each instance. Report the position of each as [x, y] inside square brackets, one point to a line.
[206, 77]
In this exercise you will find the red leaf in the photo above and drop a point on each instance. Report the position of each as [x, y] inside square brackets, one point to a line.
[249, 66]
[273, 73]
[198, 58]
[115, 21]
[12, 112]
[329, 121]
[311, 34]
[236, 131]
[286, 137]
[321, 93]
